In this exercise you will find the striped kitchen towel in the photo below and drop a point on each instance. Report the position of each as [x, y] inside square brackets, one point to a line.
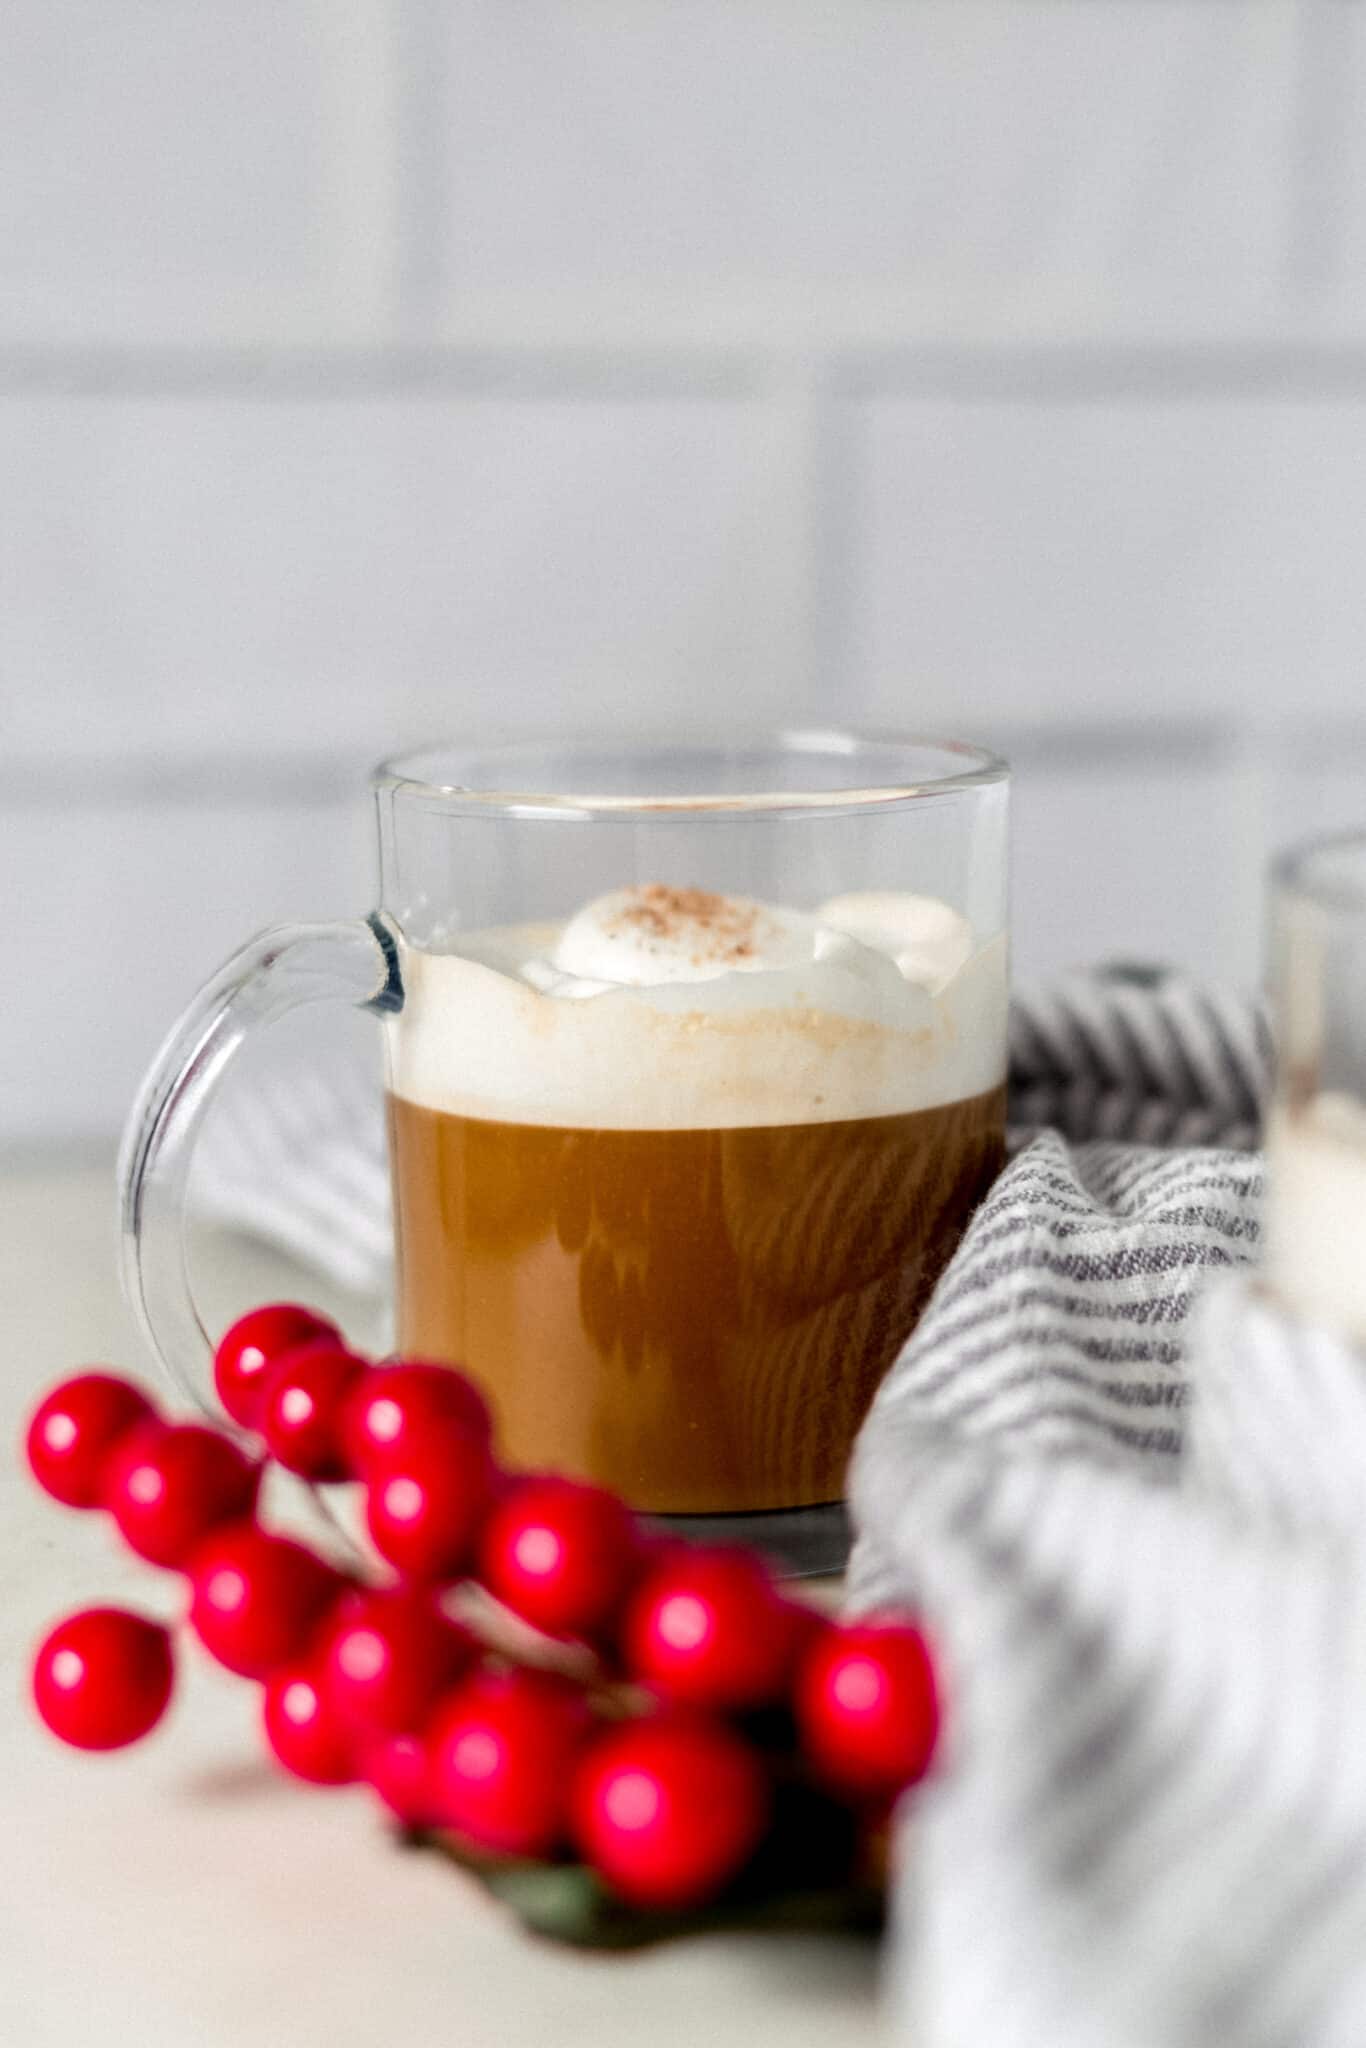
[1129, 1497]
[296, 1158]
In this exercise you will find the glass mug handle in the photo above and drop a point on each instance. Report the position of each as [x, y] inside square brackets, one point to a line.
[281, 969]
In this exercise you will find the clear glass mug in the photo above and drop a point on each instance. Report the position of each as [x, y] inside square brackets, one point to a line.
[674, 1169]
[1316, 1129]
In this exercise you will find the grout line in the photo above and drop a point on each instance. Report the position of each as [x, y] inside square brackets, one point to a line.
[227, 782]
[1068, 370]
[422, 169]
[1086, 371]
[248, 781]
[349, 373]
[358, 199]
[793, 583]
[1323, 113]
[1198, 742]
[836, 545]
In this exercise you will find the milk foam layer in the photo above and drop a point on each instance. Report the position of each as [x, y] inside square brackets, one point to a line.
[1316, 1212]
[656, 1009]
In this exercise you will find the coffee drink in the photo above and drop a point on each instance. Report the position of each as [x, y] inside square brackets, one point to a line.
[673, 1180]
[696, 1318]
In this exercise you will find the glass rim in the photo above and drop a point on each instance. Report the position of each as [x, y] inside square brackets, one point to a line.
[977, 768]
[1295, 872]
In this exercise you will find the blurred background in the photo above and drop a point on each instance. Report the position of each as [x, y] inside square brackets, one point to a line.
[380, 370]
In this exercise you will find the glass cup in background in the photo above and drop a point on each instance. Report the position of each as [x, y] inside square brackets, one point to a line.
[673, 1174]
[1316, 1129]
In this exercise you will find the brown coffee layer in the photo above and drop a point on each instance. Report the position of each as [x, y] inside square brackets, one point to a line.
[697, 1319]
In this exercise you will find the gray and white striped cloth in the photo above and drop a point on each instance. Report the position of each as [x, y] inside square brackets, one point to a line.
[1140, 1544]
[1130, 1500]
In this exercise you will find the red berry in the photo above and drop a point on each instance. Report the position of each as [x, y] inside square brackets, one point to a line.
[389, 1656]
[502, 1749]
[425, 1508]
[669, 1809]
[254, 1342]
[399, 1770]
[710, 1627]
[257, 1599]
[560, 1554]
[867, 1707]
[303, 1730]
[387, 1414]
[103, 1677]
[168, 1484]
[299, 1408]
[75, 1428]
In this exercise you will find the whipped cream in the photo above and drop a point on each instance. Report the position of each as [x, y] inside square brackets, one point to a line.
[926, 940]
[1316, 1211]
[638, 938]
[655, 1008]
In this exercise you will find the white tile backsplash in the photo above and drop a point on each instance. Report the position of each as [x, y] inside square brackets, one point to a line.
[1132, 554]
[185, 575]
[1330, 232]
[942, 161]
[215, 172]
[1137, 861]
[1316, 781]
[114, 916]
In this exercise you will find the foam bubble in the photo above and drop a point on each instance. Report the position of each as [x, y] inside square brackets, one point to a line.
[703, 1012]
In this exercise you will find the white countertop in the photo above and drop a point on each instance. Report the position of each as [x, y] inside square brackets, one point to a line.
[183, 1894]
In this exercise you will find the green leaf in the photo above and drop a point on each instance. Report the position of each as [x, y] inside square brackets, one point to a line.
[566, 1903]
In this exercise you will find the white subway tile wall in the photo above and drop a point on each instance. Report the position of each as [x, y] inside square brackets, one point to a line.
[1135, 850]
[379, 369]
[207, 174]
[756, 156]
[115, 912]
[1075, 552]
[314, 575]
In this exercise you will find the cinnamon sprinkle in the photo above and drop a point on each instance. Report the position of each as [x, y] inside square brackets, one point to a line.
[724, 932]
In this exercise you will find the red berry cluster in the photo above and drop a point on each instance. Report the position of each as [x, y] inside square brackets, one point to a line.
[670, 1693]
